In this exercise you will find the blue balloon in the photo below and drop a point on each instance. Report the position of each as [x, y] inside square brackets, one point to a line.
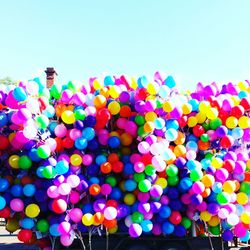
[39, 171]
[27, 223]
[89, 121]
[167, 228]
[185, 184]
[115, 194]
[81, 143]
[180, 231]
[93, 145]
[53, 230]
[165, 211]
[114, 142]
[4, 184]
[19, 94]
[147, 226]
[2, 202]
[246, 238]
[33, 155]
[128, 168]
[87, 208]
[16, 190]
[29, 190]
[3, 119]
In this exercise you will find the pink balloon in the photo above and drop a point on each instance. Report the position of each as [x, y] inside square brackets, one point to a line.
[64, 189]
[60, 130]
[52, 192]
[66, 240]
[64, 227]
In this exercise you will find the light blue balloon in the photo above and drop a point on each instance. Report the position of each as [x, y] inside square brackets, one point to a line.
[147, 226]
[2, 203]
[29, 190]
[81, 143]
[62, 167]
[88, 133]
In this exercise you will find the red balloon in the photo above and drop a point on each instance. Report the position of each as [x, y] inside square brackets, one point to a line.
[237, 111]
[5, 213]
[112, 203]
[24, 235]
[198, 130]
[227, 141]
[175, 218]
[67, 142]
[245, 103]
[117, 167]
[229, 165]
[4, 142]
[59, 206]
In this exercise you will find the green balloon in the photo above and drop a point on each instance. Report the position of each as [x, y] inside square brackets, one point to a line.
[196, 175]
[141, 132]
[137, 217]
[150, 170]
[80, 114]
[223, 198]
[139, 177]
[206, 126]
[186, 222]
[49, 172]
[173, 181]
[42, 121]
[214, 124]
[159, 104]
[55, 91]
[111, 181]
[24, 162]
[42, 226]
[144, 186]
[209, 156]
[43, 152]
[214, 230]
[205, 137]
[245, 187]
[72, 86]
[171, 170]
[139, 120]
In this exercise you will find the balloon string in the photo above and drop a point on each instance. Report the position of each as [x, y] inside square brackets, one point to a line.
[209, 236]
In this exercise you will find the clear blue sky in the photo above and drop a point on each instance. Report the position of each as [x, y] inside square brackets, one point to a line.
[193, 40]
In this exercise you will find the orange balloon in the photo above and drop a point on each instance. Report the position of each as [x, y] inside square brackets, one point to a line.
[110, 223]
[98, 218]
[113, 157]
[94, 189]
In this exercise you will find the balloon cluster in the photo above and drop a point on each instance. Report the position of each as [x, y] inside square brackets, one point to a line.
[124, 154]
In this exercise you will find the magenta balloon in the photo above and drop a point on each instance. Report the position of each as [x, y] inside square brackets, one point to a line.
[10, 101]
[106, 189]
[76, 214]
[64, 227]
[78, 99]
[17, 205]
[135, 230]
[144, 208]
[24, 114]
[66, 96]
[74, 197]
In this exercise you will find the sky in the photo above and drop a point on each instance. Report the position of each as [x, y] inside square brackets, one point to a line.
[192, 40]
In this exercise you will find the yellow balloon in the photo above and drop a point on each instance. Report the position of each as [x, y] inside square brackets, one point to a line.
[133, 84]
[229, 187]
[87, 219]
[168, 106]
[231, 122]
[244, 122]
[13, 161]
[201, 117]
[97, 84]
[203, 107]
[242, 198]
[68, 117]
[32, 210]
[114, 91]
[245, 217]
[212, 113]
[205, 216]
[162, 182]
[243, 85]
[150, 116]
[114, 108]
[192, 121]
[186, 108]
[75, 159]
[217, 162]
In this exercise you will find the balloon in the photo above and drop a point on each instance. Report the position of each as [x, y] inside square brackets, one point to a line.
[32, 210]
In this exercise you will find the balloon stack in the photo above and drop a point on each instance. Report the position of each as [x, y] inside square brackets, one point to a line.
[126, 155]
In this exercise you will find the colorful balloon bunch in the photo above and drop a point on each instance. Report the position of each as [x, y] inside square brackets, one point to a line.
[126, 155]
